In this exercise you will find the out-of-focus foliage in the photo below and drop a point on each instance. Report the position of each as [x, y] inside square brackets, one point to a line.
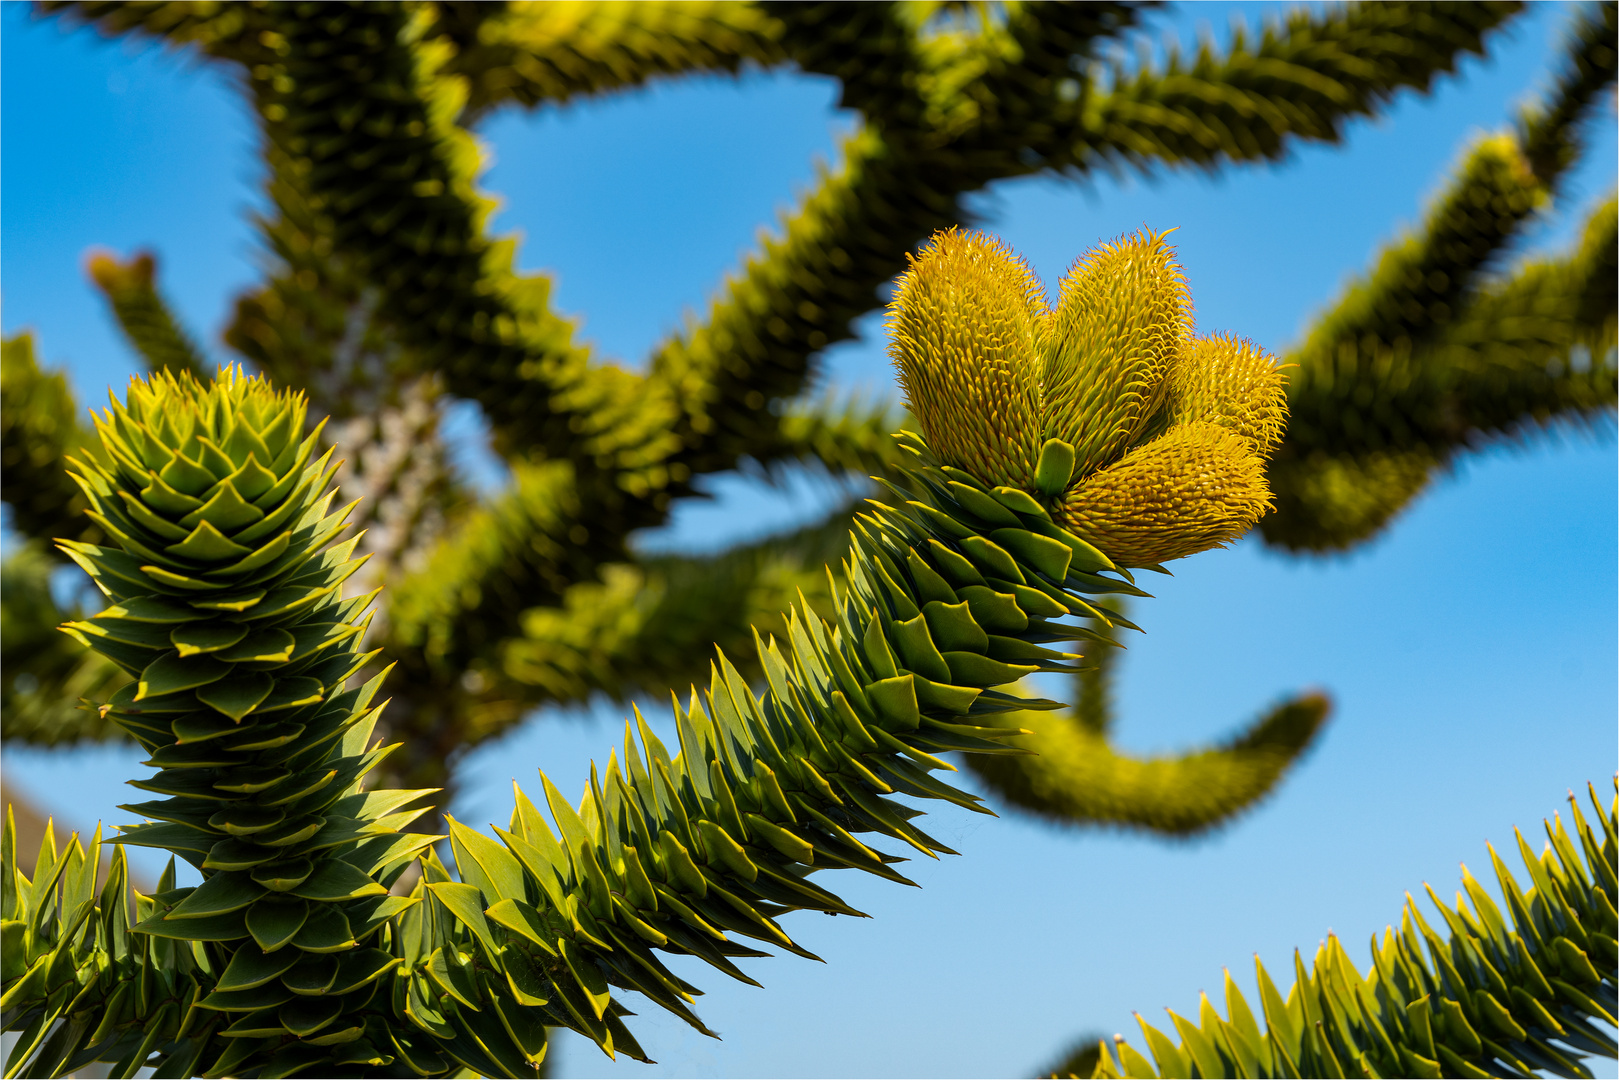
[1427, 356]
[43, 675]
[47, 680]
[39, 426]
[131, 288]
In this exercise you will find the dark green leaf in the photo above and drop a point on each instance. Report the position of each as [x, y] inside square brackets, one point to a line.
[238, 695]
[283, 876]
[326, 931]
[246, 819]
[356, 969]
[273, 921]
[224, 892]
[267, 996]
[261, 646]
[170, 674]
[335, 880]
[305, 1016]
[251, 966]
[314, 975]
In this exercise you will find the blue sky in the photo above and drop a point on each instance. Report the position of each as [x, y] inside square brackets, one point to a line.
[1471, 651]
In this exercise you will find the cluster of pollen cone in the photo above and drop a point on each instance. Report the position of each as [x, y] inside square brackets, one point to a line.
[1136, 434]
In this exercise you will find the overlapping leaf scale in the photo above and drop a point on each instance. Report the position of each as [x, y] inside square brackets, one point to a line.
[1488, 993]
[78, 985]
[82, 985]
[228, 612]
[953, 593]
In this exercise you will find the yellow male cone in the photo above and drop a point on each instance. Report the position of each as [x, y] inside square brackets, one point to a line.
[965, 325]
[1138, 436]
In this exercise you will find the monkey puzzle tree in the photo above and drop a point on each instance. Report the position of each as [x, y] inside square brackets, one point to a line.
[388, 298]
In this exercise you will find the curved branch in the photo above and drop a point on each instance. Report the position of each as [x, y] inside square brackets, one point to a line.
[1074, 776]
[142, 314]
